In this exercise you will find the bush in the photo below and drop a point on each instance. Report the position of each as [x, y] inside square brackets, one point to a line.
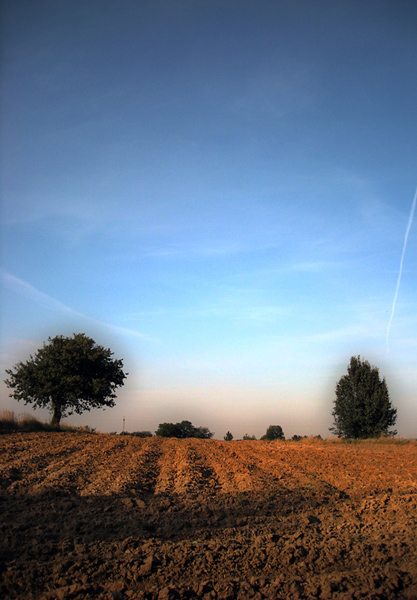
[182, 430]
[228, 437]
[274, 432]
[202, 433]
[249, 437]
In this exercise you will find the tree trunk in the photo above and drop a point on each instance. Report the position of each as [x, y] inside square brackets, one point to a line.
[56, 414]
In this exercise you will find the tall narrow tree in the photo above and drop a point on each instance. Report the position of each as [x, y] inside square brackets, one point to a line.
[362, 408]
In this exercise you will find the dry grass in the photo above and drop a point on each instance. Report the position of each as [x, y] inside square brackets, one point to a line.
[27, 422]
[383, 440]
[8, 421]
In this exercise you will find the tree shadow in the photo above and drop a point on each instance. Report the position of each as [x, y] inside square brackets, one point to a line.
[51, 518]
[90, 546]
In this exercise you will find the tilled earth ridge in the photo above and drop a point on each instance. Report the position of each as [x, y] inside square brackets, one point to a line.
[115, 518]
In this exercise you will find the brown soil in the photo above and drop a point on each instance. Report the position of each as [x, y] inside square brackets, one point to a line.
[110, 517]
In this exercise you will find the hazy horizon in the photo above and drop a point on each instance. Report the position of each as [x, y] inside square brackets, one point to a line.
[222, 193]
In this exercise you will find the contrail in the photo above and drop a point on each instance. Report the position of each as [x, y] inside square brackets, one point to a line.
[407, 231]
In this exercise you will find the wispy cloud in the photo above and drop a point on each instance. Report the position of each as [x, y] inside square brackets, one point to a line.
[24, 288]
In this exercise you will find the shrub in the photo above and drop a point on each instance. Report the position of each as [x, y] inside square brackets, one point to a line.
[274, 432]
[185, 429]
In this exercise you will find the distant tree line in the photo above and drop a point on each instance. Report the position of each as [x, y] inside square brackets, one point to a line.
[274, 432]
[74, 374]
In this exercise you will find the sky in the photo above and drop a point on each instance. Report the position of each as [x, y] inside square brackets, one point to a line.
[219, 191]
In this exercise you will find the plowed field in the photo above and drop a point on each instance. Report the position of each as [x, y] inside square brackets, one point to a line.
[111, 517]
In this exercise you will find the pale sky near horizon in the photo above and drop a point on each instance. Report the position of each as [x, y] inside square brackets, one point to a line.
[217, 191]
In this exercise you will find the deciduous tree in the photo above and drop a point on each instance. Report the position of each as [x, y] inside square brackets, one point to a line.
[67, 375]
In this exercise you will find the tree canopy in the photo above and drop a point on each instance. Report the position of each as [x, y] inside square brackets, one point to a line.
[274, 432]
[67, 375]
[362, 408]
[185, 429]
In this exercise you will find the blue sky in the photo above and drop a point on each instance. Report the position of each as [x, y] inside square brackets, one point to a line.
[217, 191]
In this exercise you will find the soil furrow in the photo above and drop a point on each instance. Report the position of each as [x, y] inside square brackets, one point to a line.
[123, 518]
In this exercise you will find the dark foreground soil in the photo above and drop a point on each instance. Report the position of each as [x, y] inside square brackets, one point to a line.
[118, 518]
